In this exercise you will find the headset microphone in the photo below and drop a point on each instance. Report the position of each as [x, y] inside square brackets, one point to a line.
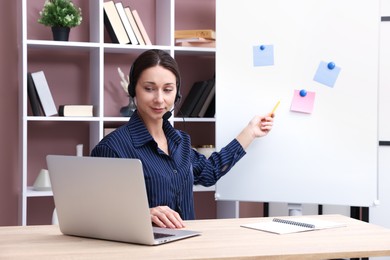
[167, 115]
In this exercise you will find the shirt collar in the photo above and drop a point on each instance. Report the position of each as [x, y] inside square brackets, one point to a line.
[140, 135]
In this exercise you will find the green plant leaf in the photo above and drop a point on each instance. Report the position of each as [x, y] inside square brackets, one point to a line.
[60, 13]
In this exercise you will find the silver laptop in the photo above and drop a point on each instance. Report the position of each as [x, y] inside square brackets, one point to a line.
[105, 198]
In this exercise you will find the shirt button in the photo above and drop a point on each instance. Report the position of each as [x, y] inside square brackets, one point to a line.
[174, 171]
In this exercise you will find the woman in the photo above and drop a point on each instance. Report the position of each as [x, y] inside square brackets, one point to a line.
[171, 166]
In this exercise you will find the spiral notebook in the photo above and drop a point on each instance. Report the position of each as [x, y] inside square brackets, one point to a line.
[293, 225]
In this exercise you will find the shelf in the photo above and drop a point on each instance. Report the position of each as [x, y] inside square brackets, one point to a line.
[194, 50]
[84, 71]
[111, 119]
[44, 44]
[116, 119]
[193, 119]
[200, 188]
[34, 193]
[128, 48]
[63, 119]
[176, 119]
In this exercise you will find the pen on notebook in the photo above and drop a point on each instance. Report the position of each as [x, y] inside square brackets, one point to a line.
[274, 109]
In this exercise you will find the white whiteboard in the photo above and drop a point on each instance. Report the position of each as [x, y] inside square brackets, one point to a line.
[328, 156]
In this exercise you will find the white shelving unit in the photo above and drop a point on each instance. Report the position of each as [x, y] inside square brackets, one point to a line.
[97, 50]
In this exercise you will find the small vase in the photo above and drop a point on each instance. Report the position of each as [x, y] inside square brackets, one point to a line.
[60, 33]
[128, 110]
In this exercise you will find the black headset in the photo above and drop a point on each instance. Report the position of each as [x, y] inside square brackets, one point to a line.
[132, 84]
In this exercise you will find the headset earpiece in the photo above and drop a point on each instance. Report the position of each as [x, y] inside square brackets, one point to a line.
[178, 94]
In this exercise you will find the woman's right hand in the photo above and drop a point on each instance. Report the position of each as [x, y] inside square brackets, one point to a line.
[165, 217]
[259, 126]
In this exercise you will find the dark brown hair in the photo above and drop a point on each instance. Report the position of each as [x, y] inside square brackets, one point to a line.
[151, 58]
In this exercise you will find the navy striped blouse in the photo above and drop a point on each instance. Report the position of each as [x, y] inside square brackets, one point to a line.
[169, 178]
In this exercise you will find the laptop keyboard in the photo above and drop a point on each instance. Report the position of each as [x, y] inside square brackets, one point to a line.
[161, 235]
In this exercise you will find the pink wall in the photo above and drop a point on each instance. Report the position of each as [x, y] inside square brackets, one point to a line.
[9, 114]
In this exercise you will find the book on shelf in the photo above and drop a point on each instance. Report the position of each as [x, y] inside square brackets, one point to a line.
[113, 24]
[44, 93]
[192, 98]
[134, 25]
[201, 33]
[287, 225]
[197, 44]
[126, 23]
[204, 100]
[194, 40]
[75, 110]
[210, 111]
[141, 27]
[33, 97]
[208, 101]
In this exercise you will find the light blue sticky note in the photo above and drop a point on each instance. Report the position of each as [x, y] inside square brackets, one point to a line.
[263, 55]
[327, 73]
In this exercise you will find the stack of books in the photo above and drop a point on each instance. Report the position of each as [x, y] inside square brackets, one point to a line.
[200, 101]
[75, 110]
[39, 94]
[195, 38]
[124, 25]
[42, 102]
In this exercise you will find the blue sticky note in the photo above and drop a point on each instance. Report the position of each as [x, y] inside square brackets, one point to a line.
[327, 73]
[263, 55]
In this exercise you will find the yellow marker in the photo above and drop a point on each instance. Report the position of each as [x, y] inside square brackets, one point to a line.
[275, 107]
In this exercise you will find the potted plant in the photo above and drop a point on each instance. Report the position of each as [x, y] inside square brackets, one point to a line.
[60, 15]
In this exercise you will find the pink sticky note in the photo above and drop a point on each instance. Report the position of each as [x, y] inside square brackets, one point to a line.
[303, 104]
